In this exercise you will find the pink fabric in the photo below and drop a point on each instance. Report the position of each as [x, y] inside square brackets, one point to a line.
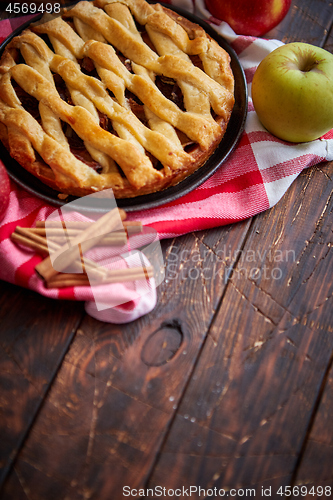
[17, 266]
[252, 180]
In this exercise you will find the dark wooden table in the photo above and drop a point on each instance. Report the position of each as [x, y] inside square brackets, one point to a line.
[228, 383]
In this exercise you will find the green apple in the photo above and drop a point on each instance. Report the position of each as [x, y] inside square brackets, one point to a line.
[292, 92]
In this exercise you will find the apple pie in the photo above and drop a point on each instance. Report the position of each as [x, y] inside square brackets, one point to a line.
[114, 94]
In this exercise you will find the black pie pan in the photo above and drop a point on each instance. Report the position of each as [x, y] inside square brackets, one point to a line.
[224, 150]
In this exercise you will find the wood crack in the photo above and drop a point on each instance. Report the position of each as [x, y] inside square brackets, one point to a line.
[318, 262]
[24, 487]
[324, 173]
[22, 370]
[318, 224]
[270, 296]
[257, 309]
[206, 427]
[211, 250]
[318, 306]
[206, 292]
[164, 288]
[308, 179]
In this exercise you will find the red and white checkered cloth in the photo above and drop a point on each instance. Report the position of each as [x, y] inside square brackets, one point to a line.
[252, 180]
[257, 174]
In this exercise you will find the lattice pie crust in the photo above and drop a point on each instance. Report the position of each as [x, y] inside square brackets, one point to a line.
[114, 94]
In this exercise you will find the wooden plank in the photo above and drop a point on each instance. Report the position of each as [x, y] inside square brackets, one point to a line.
[315, 469]
[117, 391]
[308, 22]
[34, 336]
[236, 424]
[108, 411]
[315, 464]
[246, 411]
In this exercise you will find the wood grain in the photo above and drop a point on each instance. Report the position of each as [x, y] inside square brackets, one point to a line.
[316, 463]
[227, 383]
[308, 22]
[35, 333]
[316, 459]
[248, 405]
[119, 386]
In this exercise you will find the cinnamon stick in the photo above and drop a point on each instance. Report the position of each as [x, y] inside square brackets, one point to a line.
[86, 235]
[131, 226]
[38, 243]
[27, 242]
[62, 280]
[57, 234]
[24, 231]
[97, 275]
[64, 256]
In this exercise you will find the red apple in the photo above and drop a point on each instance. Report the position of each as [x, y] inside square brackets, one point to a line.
[4, 191]
[249, 17]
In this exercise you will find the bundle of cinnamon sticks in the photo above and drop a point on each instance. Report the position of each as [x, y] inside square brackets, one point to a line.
[47, 239]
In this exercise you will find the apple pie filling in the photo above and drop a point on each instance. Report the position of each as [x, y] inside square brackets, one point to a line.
[129, 96]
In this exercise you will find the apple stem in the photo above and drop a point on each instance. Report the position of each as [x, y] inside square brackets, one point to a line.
[310, 65]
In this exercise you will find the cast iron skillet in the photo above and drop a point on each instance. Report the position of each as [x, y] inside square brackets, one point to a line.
[227, 145]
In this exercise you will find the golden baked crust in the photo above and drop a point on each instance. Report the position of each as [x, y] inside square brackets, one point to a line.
[114, 94]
